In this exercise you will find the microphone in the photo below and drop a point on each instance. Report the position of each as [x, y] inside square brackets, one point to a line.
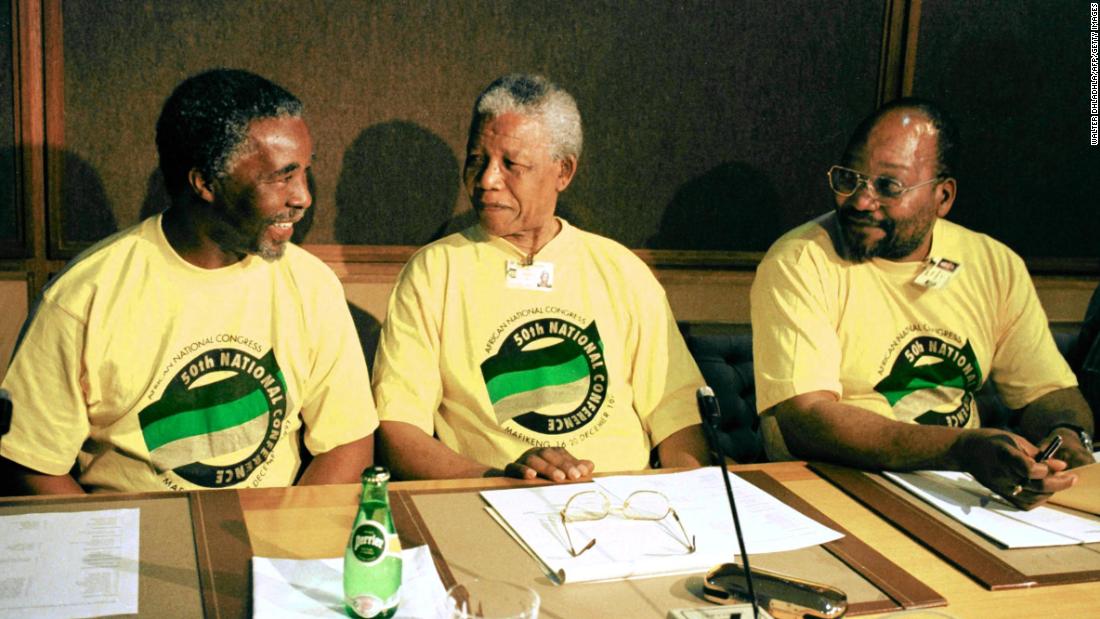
[782, 595]
[711, 416]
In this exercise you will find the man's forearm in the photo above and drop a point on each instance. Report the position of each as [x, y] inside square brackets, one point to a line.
[1043, 417]
[686, 447]
[818, 427]
[30, 481]
[340, 465]
[412, 454]
[52, 484]
[821, 428]
[1061, 406]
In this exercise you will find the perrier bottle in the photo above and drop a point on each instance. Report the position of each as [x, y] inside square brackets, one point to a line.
[372, 559]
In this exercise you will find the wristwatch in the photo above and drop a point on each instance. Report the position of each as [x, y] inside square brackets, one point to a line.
[1082, 435]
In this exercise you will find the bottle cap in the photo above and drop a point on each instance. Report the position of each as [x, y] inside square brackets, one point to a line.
[376, 474]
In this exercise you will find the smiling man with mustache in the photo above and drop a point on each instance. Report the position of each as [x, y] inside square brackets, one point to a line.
[875, 325]
[200, 348]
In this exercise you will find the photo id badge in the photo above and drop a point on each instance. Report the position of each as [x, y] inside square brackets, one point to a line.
[937, 273]
[535, 276]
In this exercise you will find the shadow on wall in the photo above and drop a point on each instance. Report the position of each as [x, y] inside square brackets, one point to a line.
[157, 201]
[156, 196]
[731, 207]
[577, 215]
[86, 214]
[398, 186]
[369, 329]
[12, 236]
[994, 173]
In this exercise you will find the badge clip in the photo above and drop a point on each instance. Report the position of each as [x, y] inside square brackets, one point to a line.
[937, 273]
[534, 276]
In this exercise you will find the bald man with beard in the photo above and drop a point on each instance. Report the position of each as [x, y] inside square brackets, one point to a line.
[875, 325]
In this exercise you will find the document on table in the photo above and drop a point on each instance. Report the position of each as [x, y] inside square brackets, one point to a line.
[1085, 494]
[69, 564]
[286, 588]
[960, 496]
[636, 548]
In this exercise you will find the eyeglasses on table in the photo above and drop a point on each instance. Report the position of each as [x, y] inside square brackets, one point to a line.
[641, 505]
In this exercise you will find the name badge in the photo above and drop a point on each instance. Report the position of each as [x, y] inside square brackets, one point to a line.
[938, 273]
[534, 276]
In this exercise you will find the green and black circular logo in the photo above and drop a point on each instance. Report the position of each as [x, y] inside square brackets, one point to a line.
[224, 400]
[549, 376]
[933, 382]
[369, 542]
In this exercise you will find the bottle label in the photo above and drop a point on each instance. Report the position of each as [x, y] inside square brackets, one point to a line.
[367, 606]
[369, 542]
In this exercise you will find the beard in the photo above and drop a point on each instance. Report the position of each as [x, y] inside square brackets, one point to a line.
[241, 231]
[268, 249]
[899, 239]
[249, 237]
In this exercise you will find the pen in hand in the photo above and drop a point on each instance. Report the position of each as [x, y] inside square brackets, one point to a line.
[1042, 456]
[1050, 449]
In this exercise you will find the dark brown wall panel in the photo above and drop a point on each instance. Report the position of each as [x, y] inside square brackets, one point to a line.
[11, 233]
[709, 125]
[1015, 74]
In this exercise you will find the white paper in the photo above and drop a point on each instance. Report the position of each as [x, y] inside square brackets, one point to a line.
[315, 587]
[69, 564]
[634, 548]
[960, 496]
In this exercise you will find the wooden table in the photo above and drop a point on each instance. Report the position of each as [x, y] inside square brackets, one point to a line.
[312, 522]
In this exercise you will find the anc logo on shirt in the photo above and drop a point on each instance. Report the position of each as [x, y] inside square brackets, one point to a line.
[933, 382]
[223, 401]
[548, 376]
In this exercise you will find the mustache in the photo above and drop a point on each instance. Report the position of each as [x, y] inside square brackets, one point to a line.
[851, 216]
[480, 204]
[283, 219]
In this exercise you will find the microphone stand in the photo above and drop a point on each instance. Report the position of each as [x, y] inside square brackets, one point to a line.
[710, 414]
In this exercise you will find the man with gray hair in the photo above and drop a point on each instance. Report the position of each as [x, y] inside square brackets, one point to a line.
[526, 346]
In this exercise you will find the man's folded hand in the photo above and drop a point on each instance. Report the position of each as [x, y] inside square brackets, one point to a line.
[553, 463]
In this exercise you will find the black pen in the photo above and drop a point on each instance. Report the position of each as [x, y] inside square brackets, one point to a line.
[1049, 451]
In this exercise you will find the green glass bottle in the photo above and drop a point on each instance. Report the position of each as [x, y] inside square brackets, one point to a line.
[372, 559]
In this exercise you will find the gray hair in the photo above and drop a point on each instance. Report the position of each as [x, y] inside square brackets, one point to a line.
[536, 97]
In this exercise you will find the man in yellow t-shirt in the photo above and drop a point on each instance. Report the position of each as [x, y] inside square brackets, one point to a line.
[200, 348]
[875, 325]
[523, 345]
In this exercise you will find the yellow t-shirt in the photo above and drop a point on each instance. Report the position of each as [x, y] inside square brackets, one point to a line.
[154, 374]
[867, 332]
[580, 351]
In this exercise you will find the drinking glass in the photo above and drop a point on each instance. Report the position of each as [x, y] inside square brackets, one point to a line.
[490, 599]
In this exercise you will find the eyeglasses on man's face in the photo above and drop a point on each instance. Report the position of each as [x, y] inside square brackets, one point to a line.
[641, 505]
[846, 181]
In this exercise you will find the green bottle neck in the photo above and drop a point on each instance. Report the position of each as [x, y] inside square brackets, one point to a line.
[374, 492]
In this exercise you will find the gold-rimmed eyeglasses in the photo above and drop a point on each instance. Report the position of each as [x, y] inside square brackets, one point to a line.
[641, 505]
[846, 181]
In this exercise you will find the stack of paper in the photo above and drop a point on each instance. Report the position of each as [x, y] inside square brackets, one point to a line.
[960, 496]
[634, 548]
[69, 564]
